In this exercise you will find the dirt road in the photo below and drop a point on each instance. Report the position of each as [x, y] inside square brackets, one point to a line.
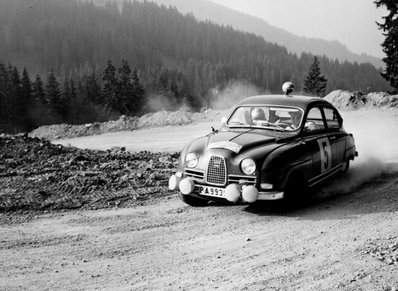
[163, 139]
[332, 244]
[347, 239]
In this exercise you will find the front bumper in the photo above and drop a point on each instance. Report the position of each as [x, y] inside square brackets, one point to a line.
[274, 195]
[233, 192]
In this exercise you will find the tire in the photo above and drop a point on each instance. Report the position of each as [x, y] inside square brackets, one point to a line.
[193, 201]
[346, 166]
[296, 191]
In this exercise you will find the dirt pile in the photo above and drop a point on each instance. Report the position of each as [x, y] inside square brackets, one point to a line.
[37, 175]
[158, 119]
[67, 130]
[349, 100]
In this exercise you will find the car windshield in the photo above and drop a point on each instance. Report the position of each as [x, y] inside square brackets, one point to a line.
[271, 117]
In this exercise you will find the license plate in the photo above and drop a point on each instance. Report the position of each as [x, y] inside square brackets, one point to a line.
[210, 191]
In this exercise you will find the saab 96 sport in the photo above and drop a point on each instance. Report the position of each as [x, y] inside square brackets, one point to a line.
[271, 147]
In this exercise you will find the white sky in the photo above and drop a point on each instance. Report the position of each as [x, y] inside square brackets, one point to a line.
[352, 22]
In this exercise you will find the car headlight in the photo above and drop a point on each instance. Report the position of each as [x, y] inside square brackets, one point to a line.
[191, 160]
[248, 166]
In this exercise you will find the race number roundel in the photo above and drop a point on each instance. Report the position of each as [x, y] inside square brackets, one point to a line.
[326, 154]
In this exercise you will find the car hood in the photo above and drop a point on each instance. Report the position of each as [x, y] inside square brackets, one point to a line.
[236, 141]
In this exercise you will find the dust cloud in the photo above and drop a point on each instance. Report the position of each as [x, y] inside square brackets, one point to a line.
[157, 102]
[231, 95]
[376, 138]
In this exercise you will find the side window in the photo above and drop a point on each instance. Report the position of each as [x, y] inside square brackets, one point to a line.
[332, 119]
[314, 120]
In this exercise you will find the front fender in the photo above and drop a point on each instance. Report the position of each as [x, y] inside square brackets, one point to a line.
[283, 162]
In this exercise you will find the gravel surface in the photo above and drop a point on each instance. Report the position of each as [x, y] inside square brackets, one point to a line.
[37, 175]
[79, 219]
[344, 242]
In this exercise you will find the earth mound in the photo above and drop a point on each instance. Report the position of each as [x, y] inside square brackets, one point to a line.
[38, 175]
[349, 100]
[157, 119]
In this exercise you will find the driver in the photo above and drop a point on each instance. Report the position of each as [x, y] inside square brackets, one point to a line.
[258, 116]
[295, 120]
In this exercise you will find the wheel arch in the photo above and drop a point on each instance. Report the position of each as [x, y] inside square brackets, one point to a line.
[295, 173]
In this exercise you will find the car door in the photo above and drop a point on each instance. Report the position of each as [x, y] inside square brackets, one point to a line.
[318, 143]
[335, 134]
[328, 151]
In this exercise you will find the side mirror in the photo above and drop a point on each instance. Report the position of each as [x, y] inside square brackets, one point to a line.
[224, 120]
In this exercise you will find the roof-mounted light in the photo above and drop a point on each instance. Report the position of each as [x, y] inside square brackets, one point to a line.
[287, 88]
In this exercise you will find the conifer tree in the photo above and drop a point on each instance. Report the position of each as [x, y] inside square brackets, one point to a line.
[5, 121]
[93, 89]
[40, 111]
[125, 89]
[139, 92]
[390, 44]
[38, 93]
[315, 83]
[53, 96]
[122, 92]
[26, 87]
[72, 102]
[65, 100]
[73, 91]
[109, 89]
[14, 104]
[75, 105]
[25, 100]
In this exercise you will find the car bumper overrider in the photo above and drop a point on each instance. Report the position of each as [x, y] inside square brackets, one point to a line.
[232, 192]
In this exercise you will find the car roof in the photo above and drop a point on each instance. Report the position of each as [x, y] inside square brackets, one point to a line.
[285, 100]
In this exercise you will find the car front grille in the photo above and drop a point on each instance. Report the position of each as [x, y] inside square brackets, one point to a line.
[196, 174]
[216, 172]
[237, 179]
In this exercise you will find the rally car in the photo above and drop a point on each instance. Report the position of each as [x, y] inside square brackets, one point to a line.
[270, 147]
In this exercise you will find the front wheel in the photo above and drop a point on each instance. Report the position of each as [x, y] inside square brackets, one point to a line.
[296, 191]
[193, 201]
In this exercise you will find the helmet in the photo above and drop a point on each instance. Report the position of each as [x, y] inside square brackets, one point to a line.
[287, 87]
[258, 114]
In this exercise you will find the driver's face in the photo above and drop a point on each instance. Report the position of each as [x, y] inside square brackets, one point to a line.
[296, 118]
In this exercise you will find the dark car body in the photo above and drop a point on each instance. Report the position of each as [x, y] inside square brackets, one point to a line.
[246, 161]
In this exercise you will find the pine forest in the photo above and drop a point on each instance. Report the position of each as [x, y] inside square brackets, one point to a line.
[76, 62]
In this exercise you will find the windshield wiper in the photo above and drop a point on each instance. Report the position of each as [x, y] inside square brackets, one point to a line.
[238, 124]
[267, 125]
[276, 127]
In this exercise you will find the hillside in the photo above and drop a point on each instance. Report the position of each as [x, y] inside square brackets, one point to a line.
[101, 61]
[207, 10]
[76, 38]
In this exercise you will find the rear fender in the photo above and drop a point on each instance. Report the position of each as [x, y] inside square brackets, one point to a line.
[350, 149]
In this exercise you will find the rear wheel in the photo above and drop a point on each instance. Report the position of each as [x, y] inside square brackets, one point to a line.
[346, 166]
[193, 201]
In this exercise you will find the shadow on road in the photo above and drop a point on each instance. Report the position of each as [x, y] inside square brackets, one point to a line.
[379, 194]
